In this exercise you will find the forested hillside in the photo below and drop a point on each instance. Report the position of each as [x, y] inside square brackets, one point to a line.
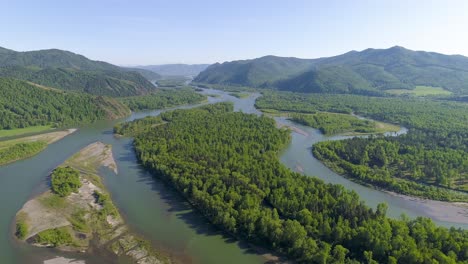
[226, 165]
[23, 105]
[371, 71]
[261, 72]
[68, 71]
[428, 162]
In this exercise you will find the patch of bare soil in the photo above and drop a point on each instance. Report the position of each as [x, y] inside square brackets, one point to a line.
[62, 260]
[50, 137]
[48, 211]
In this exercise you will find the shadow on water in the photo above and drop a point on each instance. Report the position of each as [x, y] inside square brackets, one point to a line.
[177, 206]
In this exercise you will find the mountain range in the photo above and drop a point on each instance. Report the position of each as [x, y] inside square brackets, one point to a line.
[371, 71]
[69, 71]
[176, 69]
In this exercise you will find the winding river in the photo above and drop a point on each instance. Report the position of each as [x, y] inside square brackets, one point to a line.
[154, 210]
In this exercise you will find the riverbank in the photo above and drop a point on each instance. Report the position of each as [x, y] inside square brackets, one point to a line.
[5, 133]
[26, 147]
[49, 138]
[454, 212]
[85, 220]
[329, 123]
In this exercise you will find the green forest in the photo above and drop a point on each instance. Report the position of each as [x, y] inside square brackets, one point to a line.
[226, 164]
[163, 98]
[23, 105]
[333, 123]
[429, 161]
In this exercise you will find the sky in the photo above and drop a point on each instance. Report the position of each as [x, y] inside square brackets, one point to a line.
[142, 32]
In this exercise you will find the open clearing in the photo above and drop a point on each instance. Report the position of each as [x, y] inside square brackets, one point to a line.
[421, 91]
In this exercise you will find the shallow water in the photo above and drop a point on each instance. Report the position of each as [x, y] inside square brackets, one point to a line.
[150, 207]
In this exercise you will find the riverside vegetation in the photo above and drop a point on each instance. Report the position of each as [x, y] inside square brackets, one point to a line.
[25, 147]
[334, 123]
[430, 161]
[226, 164]
[163, 98]
[24, 105]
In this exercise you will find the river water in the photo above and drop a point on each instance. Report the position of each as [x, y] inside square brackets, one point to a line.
[151, 208]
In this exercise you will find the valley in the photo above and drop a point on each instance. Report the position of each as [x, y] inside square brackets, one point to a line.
[309, 177]
[234, 132]
[172, 226]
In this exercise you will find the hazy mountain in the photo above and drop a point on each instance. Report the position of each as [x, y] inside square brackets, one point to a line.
[69, 71]
[149, 75]
[176, 69]
[368, 71]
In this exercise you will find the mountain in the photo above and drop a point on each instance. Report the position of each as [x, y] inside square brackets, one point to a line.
[176, 69]
[368, 71]
[257, 72]
[24, 104]
[69, 71]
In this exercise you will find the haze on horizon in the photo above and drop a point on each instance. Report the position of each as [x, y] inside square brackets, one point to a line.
[207, 31]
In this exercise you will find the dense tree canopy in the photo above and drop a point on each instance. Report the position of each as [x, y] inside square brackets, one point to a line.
[23, 105]
[429, 161]
[226, 165]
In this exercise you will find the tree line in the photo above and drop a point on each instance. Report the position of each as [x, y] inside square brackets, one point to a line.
[163, 98]
[429, 161]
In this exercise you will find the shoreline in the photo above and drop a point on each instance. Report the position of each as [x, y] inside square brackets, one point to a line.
[44, 139]
[85, 220]
[451, 212]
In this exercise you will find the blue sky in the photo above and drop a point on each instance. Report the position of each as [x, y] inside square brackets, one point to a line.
[208, 31]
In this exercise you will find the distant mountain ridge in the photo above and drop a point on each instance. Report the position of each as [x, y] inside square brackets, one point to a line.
[69, 71]
[176, 69]
[366, 72]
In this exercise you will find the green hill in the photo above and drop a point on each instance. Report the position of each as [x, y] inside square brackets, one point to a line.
[369, 71]
[70, 71]
[23, 105]
[259, 72]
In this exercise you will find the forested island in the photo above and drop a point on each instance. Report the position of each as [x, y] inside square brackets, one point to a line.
[77, 213]
[226, 164]
[163, 98]
[335, 123]
[430, 161]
